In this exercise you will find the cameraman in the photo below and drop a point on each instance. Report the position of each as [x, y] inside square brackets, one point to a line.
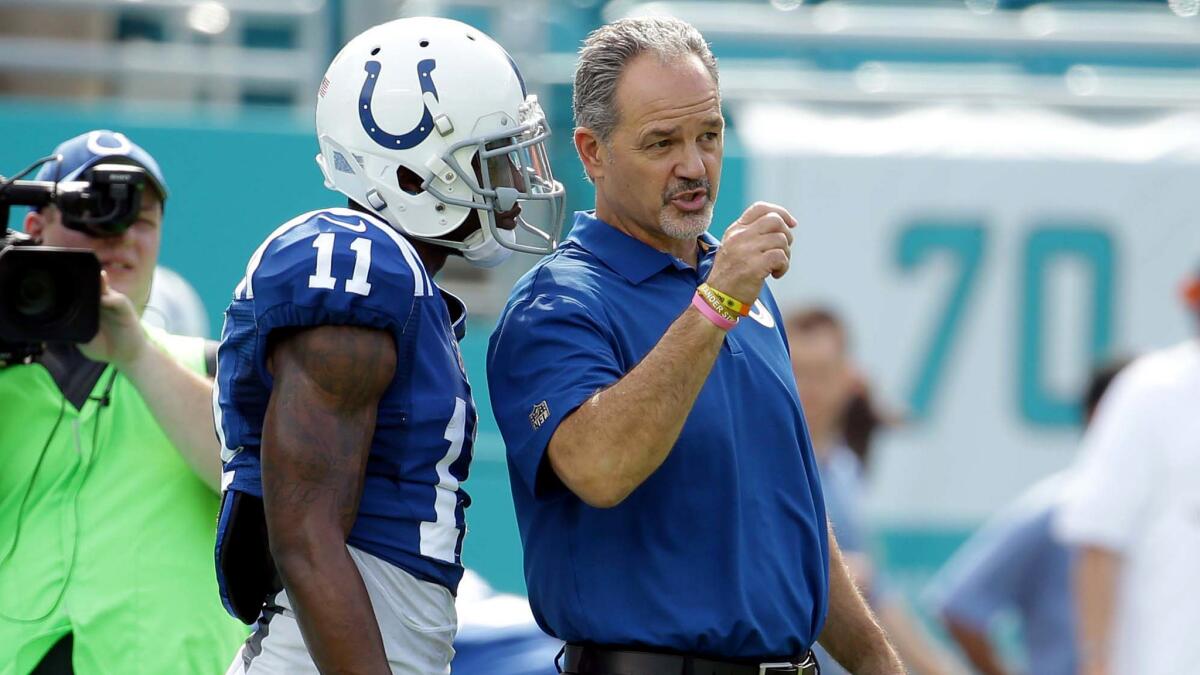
[109, 471]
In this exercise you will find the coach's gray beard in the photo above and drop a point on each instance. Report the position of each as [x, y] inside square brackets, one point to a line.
[684, 226]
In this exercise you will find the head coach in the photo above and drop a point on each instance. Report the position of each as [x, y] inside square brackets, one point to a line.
[665, 486]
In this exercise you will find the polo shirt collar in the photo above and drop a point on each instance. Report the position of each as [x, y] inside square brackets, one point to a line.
[632, 259]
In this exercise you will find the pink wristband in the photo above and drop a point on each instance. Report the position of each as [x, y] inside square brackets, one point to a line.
[711, 314]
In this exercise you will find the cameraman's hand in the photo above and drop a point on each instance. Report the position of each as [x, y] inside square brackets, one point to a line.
[758, 244]
[120, 340]
[171, 391]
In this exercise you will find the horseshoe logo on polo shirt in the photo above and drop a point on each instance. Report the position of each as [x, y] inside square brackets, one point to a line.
[761, 314]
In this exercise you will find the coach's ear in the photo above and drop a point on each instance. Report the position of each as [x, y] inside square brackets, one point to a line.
[592, 152]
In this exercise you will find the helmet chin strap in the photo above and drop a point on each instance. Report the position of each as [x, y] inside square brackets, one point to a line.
[484, 251]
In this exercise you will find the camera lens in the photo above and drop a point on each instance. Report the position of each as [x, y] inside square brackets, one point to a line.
[48, 295]
[36, 295]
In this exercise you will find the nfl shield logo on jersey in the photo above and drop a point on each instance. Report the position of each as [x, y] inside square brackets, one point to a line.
[539, 415]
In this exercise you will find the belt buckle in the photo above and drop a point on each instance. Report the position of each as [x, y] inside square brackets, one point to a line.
[781, 666]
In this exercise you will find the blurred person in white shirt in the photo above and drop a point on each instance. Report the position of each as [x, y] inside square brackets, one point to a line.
[1133, 515]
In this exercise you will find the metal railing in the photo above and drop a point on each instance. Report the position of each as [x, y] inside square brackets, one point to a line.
[1112, 55]
[201, 54]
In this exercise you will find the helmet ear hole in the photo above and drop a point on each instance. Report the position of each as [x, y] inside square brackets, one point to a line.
[408, 180]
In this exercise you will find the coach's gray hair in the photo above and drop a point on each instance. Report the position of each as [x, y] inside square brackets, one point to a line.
[609, 48]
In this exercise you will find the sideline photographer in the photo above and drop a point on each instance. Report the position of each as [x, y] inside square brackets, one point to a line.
[109, 469]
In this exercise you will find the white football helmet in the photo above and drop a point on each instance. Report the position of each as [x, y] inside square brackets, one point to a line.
[444, 101]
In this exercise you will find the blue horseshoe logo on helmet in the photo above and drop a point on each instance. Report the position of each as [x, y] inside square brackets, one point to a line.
[411, 138]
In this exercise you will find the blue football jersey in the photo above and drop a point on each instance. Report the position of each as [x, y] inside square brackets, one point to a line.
[343, 267]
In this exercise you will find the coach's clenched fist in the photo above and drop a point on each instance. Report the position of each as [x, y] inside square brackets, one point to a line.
[756, 245]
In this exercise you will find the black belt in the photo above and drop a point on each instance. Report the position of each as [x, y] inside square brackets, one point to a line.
[593, 660]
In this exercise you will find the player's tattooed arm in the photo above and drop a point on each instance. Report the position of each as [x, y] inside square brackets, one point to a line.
[316, 439]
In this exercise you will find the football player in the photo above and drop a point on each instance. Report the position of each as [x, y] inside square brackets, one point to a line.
[344, 412]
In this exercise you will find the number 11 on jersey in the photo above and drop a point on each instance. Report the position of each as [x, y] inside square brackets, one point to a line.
[323, 278]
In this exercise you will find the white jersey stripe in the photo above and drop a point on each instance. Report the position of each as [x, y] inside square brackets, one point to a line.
[218, 416]
[424, 285]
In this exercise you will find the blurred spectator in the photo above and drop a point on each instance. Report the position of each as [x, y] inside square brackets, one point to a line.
[860, 420]
[1014, 564]
[1133, 514]
[842, 421]
[175, 306]
[109, 472]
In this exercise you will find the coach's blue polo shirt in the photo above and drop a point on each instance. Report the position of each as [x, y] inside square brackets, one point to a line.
[723, 550]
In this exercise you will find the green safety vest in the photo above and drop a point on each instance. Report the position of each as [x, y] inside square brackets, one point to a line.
[105, 532]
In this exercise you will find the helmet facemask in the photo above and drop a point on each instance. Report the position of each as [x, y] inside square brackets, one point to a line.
[514, 181]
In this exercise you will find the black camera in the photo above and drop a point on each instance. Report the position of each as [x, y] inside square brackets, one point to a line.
[50, 294]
